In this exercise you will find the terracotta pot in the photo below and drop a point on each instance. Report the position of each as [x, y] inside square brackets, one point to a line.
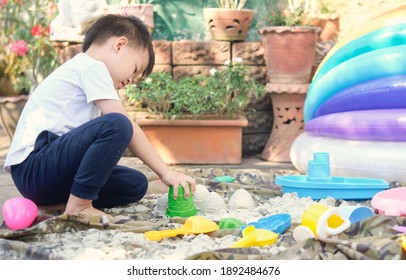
[228, 24]
[145, 12]
[196, 141]
[330, 27]
[289, 52]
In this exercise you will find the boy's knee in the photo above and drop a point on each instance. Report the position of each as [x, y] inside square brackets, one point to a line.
[119, 118]
[138, 192]
[121, 123]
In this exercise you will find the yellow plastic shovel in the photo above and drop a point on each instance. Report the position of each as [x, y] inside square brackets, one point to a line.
[253, 236]
[193, 225]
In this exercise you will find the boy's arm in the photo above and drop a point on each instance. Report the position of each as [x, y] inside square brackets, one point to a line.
[143, 149]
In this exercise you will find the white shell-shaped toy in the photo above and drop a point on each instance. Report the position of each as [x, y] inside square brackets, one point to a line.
[241, 199]
[200, 193]
[213, 205]
[162, 203]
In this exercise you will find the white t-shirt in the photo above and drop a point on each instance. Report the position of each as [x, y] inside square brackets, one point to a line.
[63, 101]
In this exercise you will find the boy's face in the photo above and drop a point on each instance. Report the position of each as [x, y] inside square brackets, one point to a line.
[126, 64]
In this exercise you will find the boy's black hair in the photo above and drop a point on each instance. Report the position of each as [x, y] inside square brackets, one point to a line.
[121, 26]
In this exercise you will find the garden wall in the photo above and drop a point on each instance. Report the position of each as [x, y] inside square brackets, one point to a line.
[183, 47]
[183, 19]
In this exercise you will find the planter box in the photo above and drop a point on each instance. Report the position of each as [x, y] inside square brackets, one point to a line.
[196, 141]
[10, 111]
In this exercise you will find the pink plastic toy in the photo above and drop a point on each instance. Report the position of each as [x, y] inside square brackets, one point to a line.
[19, 212]
[391, 202]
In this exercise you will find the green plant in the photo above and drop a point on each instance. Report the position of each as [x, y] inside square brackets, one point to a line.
[231, 4]
[224, 94]
[26, 52]
[291, 12]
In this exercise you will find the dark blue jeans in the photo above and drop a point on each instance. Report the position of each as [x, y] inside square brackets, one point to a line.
[82, 162]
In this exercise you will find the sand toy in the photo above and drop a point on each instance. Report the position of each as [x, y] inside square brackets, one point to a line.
[277, 223]
[230, 222]
[319, 220]
[318, 183]
[391, 202]
[19, 213]
[181, 206]
[253, 236]
[193, 225]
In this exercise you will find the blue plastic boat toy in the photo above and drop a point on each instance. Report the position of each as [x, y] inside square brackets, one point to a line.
[318, 183]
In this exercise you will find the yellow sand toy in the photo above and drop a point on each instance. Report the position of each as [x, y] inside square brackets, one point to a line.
[193, 225]
[255, 237]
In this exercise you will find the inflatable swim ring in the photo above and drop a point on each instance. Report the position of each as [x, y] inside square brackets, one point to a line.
[392, 17]
[372, 65]
[388, 36]
[382, 93]
[352, 158]
[355, 109]
[377, 125]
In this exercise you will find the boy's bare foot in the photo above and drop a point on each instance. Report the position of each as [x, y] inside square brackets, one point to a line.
[76, 206]
[89, 211]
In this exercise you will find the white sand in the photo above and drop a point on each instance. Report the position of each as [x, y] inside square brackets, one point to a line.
[113, 244]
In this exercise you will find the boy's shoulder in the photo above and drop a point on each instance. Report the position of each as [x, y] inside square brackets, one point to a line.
[80, 61]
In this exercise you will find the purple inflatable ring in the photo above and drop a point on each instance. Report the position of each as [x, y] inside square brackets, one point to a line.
[373, 125]
[382, 93]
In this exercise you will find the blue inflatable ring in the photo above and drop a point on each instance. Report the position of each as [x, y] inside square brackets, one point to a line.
[372, 65]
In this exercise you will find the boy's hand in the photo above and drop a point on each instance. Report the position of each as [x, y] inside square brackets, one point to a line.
[175, 179]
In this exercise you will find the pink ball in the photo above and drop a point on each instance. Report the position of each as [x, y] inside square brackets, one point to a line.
[19, 212]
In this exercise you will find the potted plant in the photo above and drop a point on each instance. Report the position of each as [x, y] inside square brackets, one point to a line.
[26, 54]
[199, 119]
[143, 9]
[289, 41]
[230, 21]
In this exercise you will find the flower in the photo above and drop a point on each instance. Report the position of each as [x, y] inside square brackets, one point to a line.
[224, 94]
[26, 52]
[38, 30]
[19, 47]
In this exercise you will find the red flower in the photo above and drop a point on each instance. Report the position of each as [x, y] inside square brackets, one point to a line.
[19, 47]
[38, 30]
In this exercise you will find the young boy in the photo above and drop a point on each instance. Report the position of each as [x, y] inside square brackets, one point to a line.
[74, 128]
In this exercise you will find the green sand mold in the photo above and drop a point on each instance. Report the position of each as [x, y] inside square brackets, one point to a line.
[229, 223]
[181, 207]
